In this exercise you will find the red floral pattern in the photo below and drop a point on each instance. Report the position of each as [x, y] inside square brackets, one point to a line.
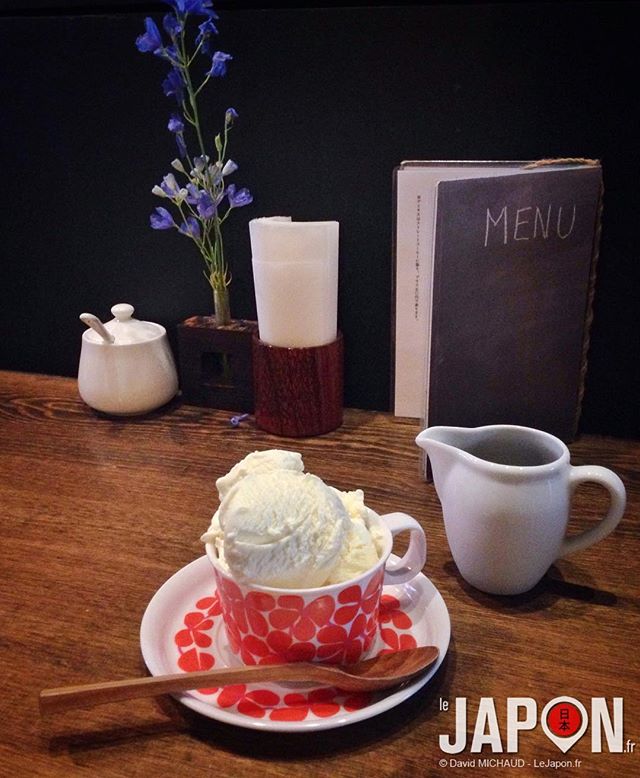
[264, 629]
[390, 611]
[195, 637]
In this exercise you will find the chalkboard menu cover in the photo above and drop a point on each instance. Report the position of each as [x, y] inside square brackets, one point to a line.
[494, 280]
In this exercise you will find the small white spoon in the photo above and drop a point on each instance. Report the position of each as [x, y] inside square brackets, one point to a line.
[94, 322]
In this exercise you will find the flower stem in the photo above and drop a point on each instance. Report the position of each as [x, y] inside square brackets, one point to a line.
[221, 306]
[192, 94]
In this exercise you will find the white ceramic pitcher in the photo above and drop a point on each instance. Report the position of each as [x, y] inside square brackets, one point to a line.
[505, 493]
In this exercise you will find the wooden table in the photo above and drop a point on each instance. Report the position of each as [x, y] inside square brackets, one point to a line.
[97, 513]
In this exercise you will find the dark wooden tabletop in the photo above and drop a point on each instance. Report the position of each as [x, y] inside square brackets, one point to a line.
[97, 513]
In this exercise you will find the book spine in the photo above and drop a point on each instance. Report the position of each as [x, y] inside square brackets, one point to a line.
[588, 319]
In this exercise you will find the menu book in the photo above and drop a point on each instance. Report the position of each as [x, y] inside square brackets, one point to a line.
[493, 288]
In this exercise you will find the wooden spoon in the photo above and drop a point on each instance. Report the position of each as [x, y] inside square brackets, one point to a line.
[370, 674]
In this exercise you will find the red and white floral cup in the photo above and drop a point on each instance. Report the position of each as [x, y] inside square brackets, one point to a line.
[333, 624]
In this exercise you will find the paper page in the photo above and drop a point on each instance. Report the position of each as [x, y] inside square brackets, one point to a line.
[416, 184]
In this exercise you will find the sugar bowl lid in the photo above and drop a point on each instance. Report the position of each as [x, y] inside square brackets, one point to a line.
[125, 329]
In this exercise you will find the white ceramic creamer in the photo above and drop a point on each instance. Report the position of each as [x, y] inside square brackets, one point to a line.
[133, 374]
[505, 492]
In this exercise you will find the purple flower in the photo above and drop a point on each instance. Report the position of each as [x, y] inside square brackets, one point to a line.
[190, 227]
[199, 166]
[202, 7]
[203, 201]
[150, 40]
[219, 63]
[238, 198]
[229, 168]
[161, 220]
[175, 123]
[172, 26]
[203, 193]
[215, 176]
[207, 29]
[206, 206]
[173, 85]
[170, 186]
[193, 194]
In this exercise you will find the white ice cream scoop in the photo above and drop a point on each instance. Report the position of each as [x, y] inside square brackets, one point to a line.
[282, 528]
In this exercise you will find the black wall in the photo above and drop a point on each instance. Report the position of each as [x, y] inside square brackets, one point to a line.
[330, 100]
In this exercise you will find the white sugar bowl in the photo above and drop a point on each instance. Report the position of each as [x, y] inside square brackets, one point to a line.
[126, 365]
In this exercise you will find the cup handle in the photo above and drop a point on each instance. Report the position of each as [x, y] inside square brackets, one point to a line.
[402, 570]
[617, 493]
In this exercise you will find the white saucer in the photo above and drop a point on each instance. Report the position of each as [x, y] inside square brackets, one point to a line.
[182, 628]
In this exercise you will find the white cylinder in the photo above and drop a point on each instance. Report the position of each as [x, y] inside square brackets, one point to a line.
[295, 271]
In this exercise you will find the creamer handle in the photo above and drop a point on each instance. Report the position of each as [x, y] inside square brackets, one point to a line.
[618, 497]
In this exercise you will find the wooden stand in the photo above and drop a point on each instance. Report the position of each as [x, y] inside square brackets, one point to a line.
[298, 391]
[216, 363]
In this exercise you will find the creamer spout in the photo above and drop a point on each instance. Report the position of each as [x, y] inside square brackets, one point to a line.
[435, 439]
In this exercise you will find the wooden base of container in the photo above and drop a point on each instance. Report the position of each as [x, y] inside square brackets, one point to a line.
[216, 363]
[298, 391]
